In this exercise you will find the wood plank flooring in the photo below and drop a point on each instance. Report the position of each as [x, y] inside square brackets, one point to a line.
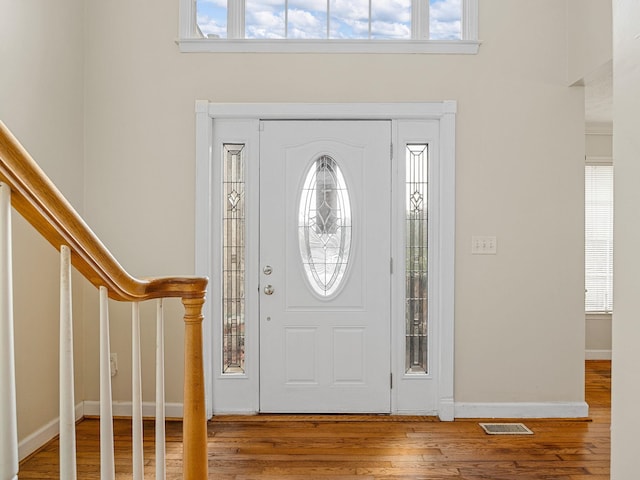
[270, 447]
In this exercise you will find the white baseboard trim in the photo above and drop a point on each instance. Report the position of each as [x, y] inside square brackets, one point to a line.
[232, 411]
[124, 409]
[522, 410]
[447, 410]
[597, 354]
[415, 413]
[46, 433]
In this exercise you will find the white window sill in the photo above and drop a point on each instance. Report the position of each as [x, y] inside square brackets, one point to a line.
[217, 45]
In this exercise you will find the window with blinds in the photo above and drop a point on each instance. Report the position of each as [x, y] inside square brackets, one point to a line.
[599, 238]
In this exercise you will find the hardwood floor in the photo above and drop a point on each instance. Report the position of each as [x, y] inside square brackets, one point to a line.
[346, 447]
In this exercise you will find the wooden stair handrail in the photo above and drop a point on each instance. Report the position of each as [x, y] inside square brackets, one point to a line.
[37, 199]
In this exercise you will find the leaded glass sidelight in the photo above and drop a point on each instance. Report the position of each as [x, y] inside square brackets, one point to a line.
[324, 226]
[416, 318]
[233, 259]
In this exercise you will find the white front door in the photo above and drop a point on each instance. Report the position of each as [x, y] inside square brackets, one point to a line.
[325, 280]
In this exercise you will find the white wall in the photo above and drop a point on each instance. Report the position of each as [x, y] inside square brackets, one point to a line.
[41, 101]
[599, 146]
[520, 157]
[589, 37]
[626, 328]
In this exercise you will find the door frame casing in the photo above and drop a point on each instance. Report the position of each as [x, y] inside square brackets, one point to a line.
[240, 123]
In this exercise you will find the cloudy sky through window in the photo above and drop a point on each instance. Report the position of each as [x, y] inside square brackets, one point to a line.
[347, 19]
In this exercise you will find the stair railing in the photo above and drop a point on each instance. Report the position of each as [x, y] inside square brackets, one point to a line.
[24, 186]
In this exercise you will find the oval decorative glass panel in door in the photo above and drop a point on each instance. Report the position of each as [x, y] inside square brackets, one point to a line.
[324, 226]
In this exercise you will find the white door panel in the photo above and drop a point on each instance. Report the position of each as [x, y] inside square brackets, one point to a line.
[325, 352]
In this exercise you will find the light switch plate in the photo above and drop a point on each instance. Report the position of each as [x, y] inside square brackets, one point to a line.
[483, 245]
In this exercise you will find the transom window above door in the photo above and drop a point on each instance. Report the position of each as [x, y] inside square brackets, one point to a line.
[349, 26]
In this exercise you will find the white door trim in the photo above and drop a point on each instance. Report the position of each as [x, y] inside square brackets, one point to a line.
[247, 116]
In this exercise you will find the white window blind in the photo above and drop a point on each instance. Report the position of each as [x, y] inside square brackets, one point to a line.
[599, 238]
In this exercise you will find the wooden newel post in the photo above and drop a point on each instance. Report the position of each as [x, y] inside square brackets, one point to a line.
[194, 427]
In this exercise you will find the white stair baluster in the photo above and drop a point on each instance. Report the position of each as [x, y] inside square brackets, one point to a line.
[8, 413]
[67, 395]
[160, 413]
[107, 461]
[136, 390]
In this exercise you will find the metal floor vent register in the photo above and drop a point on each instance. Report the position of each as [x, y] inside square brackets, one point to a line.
[505, 429]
